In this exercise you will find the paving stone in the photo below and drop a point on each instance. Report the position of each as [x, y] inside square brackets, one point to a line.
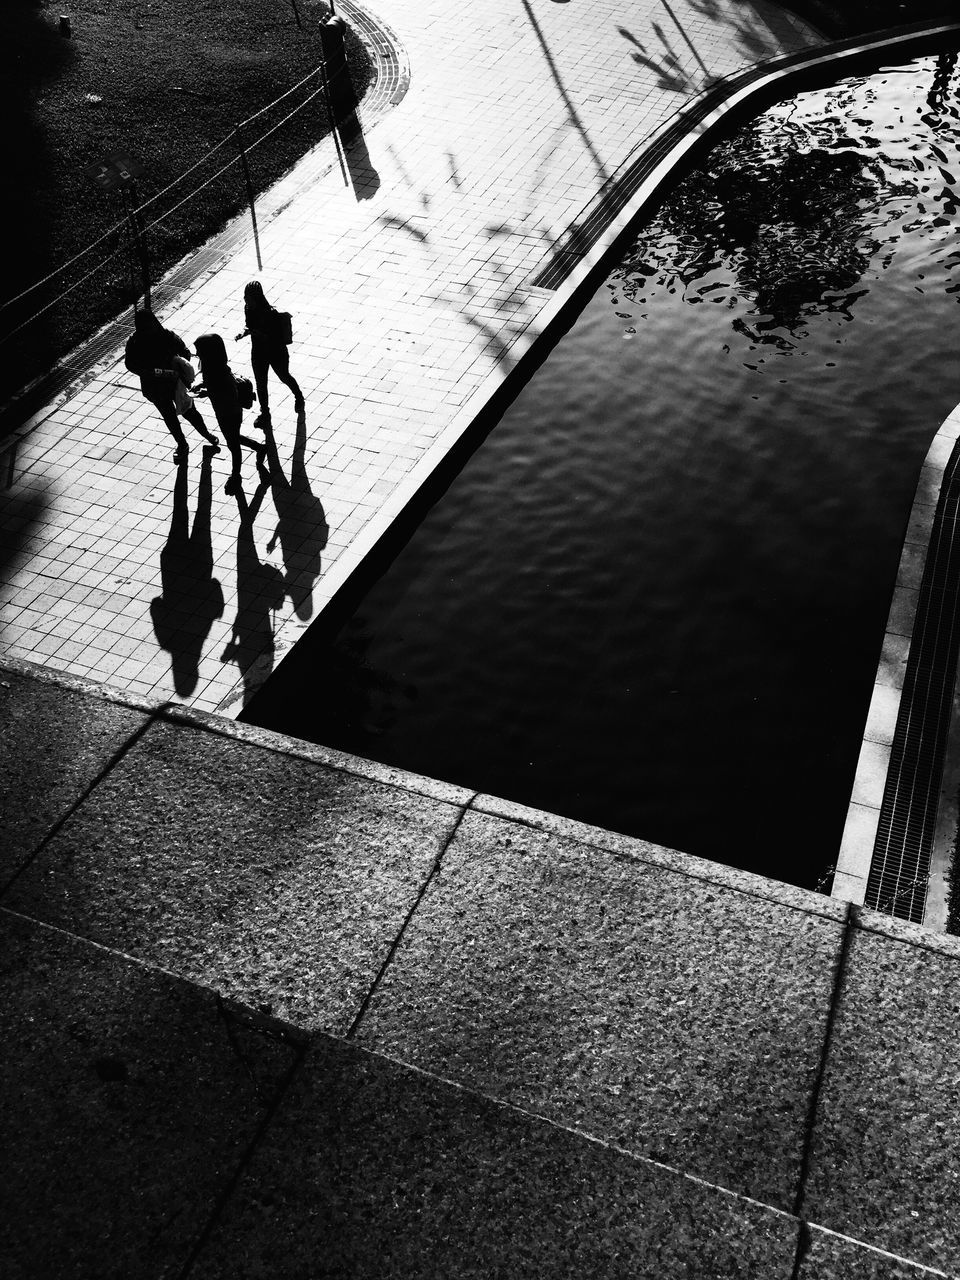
[679, 1019]
[270, 878]
[53, 744]
[886, 1149]
[831, 1257]
[127, 1100]
[370, 1169]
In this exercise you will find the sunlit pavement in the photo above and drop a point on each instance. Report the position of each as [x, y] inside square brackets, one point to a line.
[409, 287]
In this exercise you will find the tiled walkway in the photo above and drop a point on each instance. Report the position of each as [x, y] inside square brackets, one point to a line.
[409, 289]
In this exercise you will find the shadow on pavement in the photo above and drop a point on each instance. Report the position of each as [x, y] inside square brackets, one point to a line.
[260, 592]
[302, 528]
[192, 598]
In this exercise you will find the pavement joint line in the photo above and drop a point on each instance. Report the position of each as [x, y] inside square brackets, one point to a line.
[118, 755]
[395, 944]
[227, 1192]
[606, 1143]
[137, 961]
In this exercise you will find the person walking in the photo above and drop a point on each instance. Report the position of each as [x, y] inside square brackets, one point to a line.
[268, 348]
[219, 385]
[152, 353]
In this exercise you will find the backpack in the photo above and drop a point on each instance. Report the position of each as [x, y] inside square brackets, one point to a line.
[283, 326]
[245, 393]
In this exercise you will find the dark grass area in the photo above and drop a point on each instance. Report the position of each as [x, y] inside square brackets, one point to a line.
[159, 81]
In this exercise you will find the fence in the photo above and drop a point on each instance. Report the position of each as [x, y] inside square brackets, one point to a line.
[38, 322]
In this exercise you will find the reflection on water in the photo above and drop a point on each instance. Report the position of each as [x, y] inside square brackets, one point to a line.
[654, 599]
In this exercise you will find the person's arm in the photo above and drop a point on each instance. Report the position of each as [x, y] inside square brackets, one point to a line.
[177, 344]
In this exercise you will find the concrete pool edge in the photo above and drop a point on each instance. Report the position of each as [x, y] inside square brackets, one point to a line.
[871, 780]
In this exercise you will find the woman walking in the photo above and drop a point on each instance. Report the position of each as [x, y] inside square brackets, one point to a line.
[220, 386]
[152, 352]
[268, 348]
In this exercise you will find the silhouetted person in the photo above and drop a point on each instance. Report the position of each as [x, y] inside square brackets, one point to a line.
[268, 348]
[151, 353]
[218, 383]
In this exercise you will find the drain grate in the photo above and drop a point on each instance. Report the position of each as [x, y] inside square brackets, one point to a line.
[897, 883]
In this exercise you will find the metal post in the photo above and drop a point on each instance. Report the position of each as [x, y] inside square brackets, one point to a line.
[331, 113]
[141, 240]
[138, 246]
[131, 247]
[250, 199]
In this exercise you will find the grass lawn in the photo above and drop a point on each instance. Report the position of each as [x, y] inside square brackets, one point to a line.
[162, 82]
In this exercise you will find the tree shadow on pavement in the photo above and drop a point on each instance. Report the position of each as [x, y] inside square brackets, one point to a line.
[302, 528]
[191, 597]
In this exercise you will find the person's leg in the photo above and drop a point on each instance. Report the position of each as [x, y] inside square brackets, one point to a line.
[231, 433]
[170, 417]
[192, 415]
[280, 360]
[261, 366]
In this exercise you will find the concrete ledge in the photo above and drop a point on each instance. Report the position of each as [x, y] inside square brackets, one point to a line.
[571, 1052]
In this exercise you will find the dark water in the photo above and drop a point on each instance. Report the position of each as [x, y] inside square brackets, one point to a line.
[654, 598]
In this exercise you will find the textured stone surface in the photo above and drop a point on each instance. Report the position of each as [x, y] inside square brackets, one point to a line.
[678, 1019]
[370, 1169]
[886, 1150]
[830, 1257]
[273, 880]
[127, 1099]
[716, 873]
[53, 743]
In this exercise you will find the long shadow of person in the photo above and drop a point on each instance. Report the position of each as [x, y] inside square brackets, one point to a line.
[260, 592]
[302, 528]
[191, 598]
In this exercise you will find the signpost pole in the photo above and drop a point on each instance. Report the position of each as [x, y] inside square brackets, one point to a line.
[246, 178]
[141, 243]
[131, 247]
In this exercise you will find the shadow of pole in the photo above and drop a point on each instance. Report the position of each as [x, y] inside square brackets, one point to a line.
[567, 102]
